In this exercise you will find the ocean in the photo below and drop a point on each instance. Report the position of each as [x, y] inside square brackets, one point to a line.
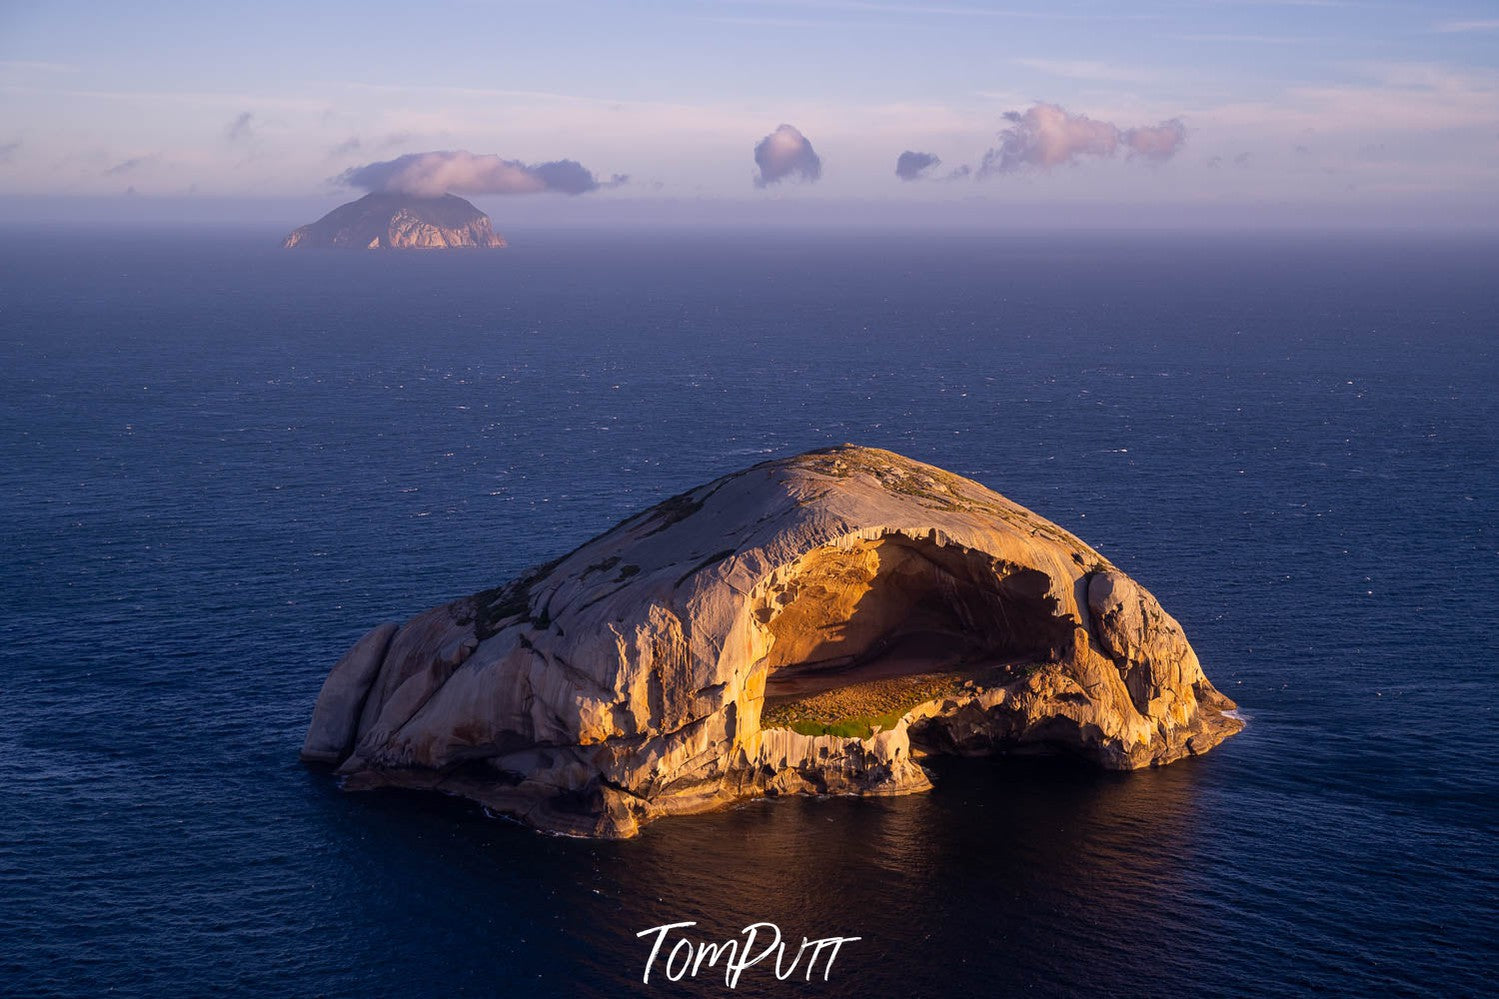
[223, 463]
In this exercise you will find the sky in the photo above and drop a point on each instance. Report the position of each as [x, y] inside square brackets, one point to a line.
[579, 110]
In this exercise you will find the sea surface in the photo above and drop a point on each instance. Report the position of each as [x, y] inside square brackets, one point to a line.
[220, 464]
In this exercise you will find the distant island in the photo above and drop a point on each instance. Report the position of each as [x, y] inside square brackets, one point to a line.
[393, 221]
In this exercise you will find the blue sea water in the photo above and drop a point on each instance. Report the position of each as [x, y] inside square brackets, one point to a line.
[223, 463]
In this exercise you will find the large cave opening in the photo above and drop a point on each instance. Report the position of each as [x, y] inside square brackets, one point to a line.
[860, 630]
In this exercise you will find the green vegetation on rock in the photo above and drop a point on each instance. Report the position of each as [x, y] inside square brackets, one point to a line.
[860, 710]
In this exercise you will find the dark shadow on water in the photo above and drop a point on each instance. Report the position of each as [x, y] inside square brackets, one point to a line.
[1002, 855]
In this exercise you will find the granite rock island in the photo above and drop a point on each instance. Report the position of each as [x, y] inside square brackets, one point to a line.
[394, 221]
[811, 625]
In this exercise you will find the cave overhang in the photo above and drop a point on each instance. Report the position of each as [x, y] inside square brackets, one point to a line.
[855, 632]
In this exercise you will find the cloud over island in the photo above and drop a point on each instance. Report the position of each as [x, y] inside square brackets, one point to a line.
[441, 172]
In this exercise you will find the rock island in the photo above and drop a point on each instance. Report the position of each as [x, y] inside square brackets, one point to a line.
[810, 625]
[393, 221]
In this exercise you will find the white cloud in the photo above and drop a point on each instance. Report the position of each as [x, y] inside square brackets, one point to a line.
[433, 174]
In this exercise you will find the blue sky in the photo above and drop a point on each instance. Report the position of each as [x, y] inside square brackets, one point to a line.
[1358, 106]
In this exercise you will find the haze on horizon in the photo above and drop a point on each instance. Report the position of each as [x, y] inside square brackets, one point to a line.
[584, 110]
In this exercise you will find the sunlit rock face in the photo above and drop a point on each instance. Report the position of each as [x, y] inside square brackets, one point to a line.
[399, 222]
[813, 624]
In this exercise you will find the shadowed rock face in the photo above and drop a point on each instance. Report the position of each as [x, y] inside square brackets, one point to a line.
[399, 222]
[630, 678]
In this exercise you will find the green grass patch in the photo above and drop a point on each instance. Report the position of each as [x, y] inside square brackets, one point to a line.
[860, 710]
[863, 727]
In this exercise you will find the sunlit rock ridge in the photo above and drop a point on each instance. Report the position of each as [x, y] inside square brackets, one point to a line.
[386, 221]
[813, 624]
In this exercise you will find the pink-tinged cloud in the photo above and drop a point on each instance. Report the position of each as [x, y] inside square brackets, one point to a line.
[430, 175]
[1046, 136]
[1156, 142]
[786, 153]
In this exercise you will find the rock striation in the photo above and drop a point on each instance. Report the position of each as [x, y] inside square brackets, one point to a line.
[630, 678]
[385, 221]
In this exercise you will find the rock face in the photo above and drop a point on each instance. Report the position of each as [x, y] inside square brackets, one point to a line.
[627, 680]
[399, 222]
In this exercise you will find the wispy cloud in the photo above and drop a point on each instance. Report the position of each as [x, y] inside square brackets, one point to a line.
[355, 143]
[1463, 27]
[1232, 38]
[954, 10]
[129, 166]
[486, 92]
[32, 66]
[1290, 3]
[1079, 69]
[753, 21]
[242, 128]
[174, 97]
[1294, 3]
